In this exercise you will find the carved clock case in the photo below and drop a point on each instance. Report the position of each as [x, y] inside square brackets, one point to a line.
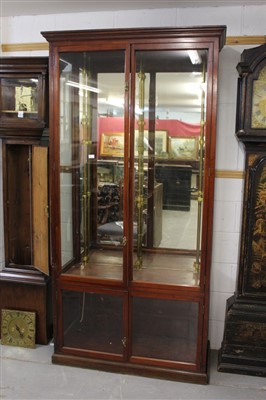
[25, 283]
[243, 348]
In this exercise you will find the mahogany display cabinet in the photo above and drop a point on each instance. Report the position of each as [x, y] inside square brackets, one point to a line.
[25, 281]
[125, 299]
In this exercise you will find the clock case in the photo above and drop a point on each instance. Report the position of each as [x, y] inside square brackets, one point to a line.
[25, 282]
[243, 348]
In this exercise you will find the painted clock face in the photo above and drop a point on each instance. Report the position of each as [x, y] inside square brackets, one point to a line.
[258, 116]
[18, 328]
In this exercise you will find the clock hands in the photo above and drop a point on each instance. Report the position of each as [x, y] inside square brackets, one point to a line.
[19, 331]
[18, 328]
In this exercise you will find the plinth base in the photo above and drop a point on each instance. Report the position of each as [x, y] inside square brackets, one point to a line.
[243, 349]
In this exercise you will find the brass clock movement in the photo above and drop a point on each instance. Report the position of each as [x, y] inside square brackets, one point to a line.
[18, 328]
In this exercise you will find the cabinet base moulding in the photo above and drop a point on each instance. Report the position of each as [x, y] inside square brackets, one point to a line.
[131, 369]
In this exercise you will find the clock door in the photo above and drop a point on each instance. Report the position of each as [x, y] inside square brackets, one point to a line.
[26, 206]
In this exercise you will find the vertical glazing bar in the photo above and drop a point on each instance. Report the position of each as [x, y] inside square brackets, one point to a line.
[201, 161]
[140, 197]
[86, 142]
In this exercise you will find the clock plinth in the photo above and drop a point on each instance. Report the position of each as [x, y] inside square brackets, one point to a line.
[243, 348]
[33, 285]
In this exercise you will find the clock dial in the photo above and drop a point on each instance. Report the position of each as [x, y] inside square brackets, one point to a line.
[18, 328]
[259, 105]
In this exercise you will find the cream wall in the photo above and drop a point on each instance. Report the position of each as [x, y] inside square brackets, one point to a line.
[240, 21]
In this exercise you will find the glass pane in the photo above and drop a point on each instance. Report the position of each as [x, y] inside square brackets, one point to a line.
[91, 163]
[93, 321]
[164, 329]
[19, 97]
[169, 160]
[66, 217]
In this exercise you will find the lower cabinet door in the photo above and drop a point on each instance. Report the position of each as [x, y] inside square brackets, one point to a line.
[164, 329]
[93, 322]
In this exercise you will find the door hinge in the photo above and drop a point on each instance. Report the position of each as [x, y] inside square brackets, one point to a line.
[124, 342]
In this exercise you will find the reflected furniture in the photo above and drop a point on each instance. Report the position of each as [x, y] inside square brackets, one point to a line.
[110, 215]
[25, 282]
[138, 304]
[176, 180]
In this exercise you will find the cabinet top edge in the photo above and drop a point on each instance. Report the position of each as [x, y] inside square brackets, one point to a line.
[23, 59]
[23, 64]
[210, 31]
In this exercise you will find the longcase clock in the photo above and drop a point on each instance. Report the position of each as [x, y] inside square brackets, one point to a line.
[25, 282]
[243, 348]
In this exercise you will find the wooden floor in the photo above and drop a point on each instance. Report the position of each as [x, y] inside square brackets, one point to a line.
[156, 267]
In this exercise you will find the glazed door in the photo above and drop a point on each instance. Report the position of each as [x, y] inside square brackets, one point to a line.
[169, 157]
[132, 150]
[92, 166]
[132, 156]
[92, 193]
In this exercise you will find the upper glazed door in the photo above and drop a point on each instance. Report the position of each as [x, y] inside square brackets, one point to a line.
[169, 139]
[133, 147]
[92, 191]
